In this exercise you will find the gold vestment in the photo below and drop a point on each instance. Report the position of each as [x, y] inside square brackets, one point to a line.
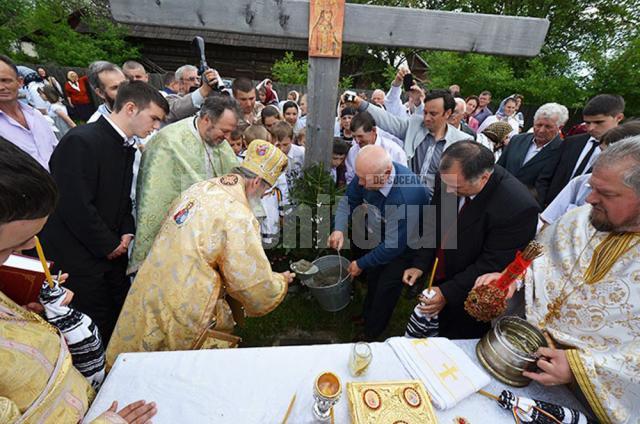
[208, 247]
[38, 383]
[598, 323]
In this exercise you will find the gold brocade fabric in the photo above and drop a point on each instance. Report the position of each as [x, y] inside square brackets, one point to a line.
[208, 245]
[607, 253]
[29, 351]
[599, 322]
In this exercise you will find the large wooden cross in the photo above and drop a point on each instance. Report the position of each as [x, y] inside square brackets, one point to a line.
[363, 24]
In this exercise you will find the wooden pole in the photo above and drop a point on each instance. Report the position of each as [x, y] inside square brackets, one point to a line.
[322, 86]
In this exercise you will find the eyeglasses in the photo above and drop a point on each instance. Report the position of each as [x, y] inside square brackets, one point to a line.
[191, 79]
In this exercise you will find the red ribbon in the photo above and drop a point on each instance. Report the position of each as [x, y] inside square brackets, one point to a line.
[513, 272]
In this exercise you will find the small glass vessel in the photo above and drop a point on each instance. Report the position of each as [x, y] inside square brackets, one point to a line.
[360, 359]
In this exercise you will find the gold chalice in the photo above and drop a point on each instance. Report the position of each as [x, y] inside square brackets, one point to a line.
[326, 393]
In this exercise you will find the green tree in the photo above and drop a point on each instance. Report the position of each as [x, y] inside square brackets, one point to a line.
[583, 38]
[621, 75]
[46, 24]
[289, 70]
[476, 72]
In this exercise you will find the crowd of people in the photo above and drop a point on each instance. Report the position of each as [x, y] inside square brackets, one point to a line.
[160, 203]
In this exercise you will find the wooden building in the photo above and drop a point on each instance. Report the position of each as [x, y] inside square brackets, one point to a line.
[231, 54]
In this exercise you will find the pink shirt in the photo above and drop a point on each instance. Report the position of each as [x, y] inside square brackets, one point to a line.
[38, 140]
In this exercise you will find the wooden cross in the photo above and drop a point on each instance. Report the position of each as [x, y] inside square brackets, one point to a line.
[363, 24]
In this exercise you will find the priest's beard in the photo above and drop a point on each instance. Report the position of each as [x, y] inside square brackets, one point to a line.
[600, 221]
[255, 205]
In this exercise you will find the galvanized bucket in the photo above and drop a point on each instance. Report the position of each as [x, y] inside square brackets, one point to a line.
[335, 297]
[509, 349]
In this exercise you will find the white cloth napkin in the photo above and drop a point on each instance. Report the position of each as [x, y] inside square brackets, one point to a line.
[448, 374]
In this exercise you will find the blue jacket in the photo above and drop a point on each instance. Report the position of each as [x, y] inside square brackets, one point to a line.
[407, 190]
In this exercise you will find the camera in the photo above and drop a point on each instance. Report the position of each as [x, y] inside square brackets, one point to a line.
[407, 82]
[349, 96]
[217, 84]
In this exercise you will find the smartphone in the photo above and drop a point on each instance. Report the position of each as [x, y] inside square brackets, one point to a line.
[407, 82]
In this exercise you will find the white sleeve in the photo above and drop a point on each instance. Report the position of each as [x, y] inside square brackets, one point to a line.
[388, 122]
[563, 203]
[391, 137]
[393, 103]
[399, 156]
[350, 163]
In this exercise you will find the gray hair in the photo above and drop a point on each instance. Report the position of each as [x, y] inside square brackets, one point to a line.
[621, 151]
[553, 111]
[215, 106]
[184, 68]
[132, 64]
[247, 174]
[98, 67]
[460, 101]
[244, 172]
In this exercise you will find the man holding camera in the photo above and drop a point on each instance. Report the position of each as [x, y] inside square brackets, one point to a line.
[191, 93]
[425, 137]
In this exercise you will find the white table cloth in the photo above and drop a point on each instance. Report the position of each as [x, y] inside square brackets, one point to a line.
[255, 385]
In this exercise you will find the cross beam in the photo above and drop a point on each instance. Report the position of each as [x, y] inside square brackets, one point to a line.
[363, 24]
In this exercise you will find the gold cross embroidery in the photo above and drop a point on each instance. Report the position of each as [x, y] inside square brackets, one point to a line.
[449, 372]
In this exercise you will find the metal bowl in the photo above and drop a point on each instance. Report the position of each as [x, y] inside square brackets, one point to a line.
[509, 349]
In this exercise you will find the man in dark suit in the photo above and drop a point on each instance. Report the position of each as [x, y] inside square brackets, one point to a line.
[484, 215]
[579, 152]
[532, 155]
[392, 198]
[89, 233]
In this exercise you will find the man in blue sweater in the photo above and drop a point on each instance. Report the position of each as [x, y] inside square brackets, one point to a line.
[385, 201]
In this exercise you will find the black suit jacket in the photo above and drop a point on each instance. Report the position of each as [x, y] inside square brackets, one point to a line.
[93, 170]
[569, 155]
[466, 129]
[499, 221]
[534, 173]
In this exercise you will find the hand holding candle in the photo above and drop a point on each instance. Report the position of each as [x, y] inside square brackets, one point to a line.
[43, 260]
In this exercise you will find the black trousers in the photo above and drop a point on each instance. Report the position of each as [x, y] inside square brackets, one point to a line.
[101, 296]
[384, 288]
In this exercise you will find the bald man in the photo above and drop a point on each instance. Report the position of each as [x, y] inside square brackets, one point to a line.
[385, 202]
[377, 98]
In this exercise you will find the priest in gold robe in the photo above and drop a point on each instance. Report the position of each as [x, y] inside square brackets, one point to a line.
[178, 156]
[38, 382]
[585, 291]
[206, 259]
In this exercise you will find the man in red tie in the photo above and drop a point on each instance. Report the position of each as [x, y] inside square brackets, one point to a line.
[495, 217]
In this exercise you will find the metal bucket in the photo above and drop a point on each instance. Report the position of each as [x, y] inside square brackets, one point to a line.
[509, 349]
[335, 297]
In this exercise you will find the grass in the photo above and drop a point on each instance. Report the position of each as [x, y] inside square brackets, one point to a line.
[300, 317]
